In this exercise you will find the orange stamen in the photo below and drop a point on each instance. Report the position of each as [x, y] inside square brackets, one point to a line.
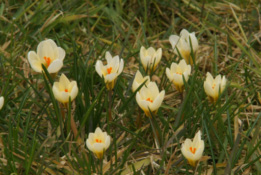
[98, 140]
[148, 99]
[213, 86]
[193, 150]
[48, 60]
[66, 90]
[109, 70]
[179, 73]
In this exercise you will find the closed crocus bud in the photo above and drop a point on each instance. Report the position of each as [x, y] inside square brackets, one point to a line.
[111, 71]
[49, 55]
[149, 98]
[64, 89]
[176, 73]
[138, 80]
[2, 100]
[98, 142]
[150, 58]
[214, 87]
[182, 44]
[193, 150]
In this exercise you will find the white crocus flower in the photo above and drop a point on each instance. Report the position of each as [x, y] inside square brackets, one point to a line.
[149, 98]
[49, 55]
[64, 89]
[150, 58]
[2, 101]
[139, 80]
[98, 142]
[193, 150]
[176, 73]
[182, 44]
[214, 86]
[111, 71]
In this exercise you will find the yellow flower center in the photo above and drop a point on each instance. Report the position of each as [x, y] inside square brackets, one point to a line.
[48, 61]
[193, 150]
[109, 70]
[179, 73]
[148, 99]
[65, 90]
[98, 140]
[213, 86]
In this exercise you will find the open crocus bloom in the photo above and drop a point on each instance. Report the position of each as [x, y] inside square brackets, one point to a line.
[182, 44]
[47, 54]
[138, 80]
[149, 99]
[111, 71]
[193, 150]
[176, 73]
[64, 89]
[98, 142]
[150, 58]
[2, 100]
[214, 86]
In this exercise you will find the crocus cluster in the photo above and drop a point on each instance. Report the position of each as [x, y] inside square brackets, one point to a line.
[148, 96]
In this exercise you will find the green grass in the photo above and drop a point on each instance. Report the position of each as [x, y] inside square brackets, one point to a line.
[34, 139]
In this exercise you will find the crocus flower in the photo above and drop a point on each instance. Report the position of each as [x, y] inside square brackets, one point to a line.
[49, 55]
[176, 73]
[111, 71]
[2, 100]
[182, 44]
[98, 142]
[193, 150]
[64, 89]
[214, 86]
[149, 98]
[150, 58]
[138, 80]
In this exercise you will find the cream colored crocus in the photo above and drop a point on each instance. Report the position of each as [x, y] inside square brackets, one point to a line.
[139, 80]
[2, 101]
[64, 89]
[150, 58]
[149, 98]
[214, 87]
[193, 150]
[177, 72]
[182, 44]
[98, 142]
[111, 71]
[49, 55]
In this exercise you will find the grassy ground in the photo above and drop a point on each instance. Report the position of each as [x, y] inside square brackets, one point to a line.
[31, 141]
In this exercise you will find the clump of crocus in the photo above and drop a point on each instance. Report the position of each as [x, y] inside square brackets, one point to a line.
[193, 150]
[2, 100]
[182, 44]
[214, 87]
[64, 89]
[98, 142]
[49, 55]
[149, 98]
[150, 58]
[139, 80]
[177, 72]
[111, 71]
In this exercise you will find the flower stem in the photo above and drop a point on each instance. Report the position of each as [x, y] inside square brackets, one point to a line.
[110, 104]
[139, 119]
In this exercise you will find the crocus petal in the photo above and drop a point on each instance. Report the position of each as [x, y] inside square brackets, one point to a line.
[61, 53]
[74, 92]
[178, 80]
[110, 77]
[173, 39]
[142, 103]
[107, 142]
[169, 75]
[208, 89]
[157, 102]
[158, 56]
[55, 66]
[108, 57]
[45, 49]
[89, 145]
[121, 67]
[34, 61]
[98, 68]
